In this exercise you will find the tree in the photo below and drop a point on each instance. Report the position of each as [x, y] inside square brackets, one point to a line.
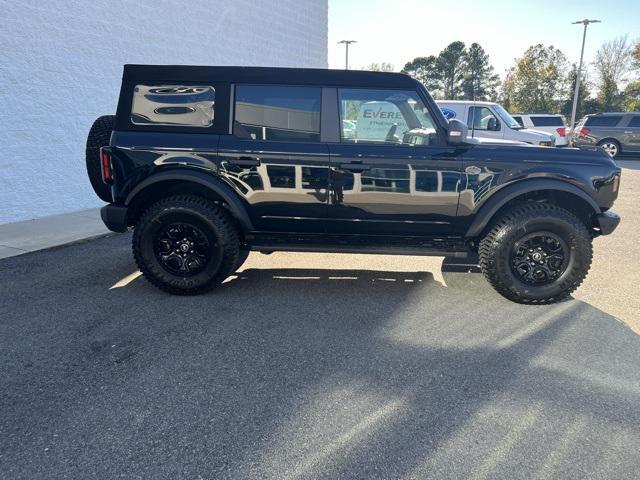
[479, 80]
[586, 104]
[380, 67]
[451, 69]
[631, 97]
[613, 61]
[456, 73]
[425, 70]
[538, 81]
[609, 97]
[636, 56]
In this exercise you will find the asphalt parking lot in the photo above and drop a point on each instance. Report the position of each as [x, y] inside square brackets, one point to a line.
[317, 366]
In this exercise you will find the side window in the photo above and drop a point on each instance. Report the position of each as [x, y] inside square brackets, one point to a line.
[384, 116]
[173, 105]
[547, 121]
[603, 121]
[518, 119]
[277, 113]
[635, 121]
[482, 118]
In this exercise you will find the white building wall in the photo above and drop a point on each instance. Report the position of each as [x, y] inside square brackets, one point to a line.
[61, 65]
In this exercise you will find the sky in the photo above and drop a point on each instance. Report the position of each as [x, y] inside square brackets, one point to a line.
[397, 31]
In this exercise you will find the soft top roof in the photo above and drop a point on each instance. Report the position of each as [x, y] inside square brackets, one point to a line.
[291, 76]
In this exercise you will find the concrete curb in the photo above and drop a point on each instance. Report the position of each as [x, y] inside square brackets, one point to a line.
[53, 231]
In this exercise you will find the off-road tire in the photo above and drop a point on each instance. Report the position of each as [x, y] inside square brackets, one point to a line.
[495, 252]
[211, 218]
[99, 136]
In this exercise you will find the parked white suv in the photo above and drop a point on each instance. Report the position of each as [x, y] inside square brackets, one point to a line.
[491, 120]
[553, 124]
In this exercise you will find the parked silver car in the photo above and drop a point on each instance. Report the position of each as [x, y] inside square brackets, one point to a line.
[615, 132]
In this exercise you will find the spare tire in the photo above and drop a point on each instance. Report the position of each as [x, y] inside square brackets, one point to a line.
[99, 136]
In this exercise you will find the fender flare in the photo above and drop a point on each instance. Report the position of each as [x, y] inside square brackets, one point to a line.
[230, 197]
[507, 193]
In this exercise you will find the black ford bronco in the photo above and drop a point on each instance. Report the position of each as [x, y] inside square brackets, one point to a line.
[209, 163]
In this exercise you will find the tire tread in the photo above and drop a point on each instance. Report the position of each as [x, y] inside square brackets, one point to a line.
[519, 215]
[214, 212]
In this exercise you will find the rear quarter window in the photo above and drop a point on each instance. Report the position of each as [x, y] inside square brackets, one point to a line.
[603, 121]
[547, 121]
[635, 121]
[173, 105]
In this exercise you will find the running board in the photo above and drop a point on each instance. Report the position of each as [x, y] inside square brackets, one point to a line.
[368, 249]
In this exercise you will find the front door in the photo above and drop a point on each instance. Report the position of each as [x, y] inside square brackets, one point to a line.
[390, 173]
[483, 122]
[275, 157]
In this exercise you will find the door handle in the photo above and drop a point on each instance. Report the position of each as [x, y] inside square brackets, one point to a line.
[355, 167]
[245, 161]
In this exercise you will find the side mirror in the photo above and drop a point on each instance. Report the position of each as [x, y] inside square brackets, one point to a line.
[457, 131]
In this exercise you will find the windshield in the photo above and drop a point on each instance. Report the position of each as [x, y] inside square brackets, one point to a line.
[507, 118]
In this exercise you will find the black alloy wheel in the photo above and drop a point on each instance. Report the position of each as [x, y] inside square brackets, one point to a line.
[539, 258]
[186, 244]
[182, 249]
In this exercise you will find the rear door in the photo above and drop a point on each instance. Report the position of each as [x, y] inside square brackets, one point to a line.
[630, 138]
[275, 156]
[604, 126]
[391, 173]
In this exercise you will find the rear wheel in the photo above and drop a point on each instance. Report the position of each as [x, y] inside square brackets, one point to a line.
[612, 147]
[99, 136]
[536, 253]
[185, 245]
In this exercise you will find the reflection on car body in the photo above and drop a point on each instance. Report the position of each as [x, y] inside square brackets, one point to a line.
[313, 181]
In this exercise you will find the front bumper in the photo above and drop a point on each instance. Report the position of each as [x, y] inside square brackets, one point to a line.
[115, 217]
[607, 222]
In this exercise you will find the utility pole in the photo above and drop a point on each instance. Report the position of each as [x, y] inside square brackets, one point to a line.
[346, 44]
[576, 93]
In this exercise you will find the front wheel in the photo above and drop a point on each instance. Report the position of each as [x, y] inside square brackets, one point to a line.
[536, 253]
[185, 245]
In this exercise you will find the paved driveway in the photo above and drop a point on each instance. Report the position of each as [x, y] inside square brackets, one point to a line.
[305, 366]
[613, 284]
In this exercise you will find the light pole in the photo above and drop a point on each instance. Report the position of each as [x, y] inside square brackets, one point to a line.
[346, 44]
[586, 23]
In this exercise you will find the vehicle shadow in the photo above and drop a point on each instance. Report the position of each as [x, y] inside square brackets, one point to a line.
[309, 373]
[632, 163]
